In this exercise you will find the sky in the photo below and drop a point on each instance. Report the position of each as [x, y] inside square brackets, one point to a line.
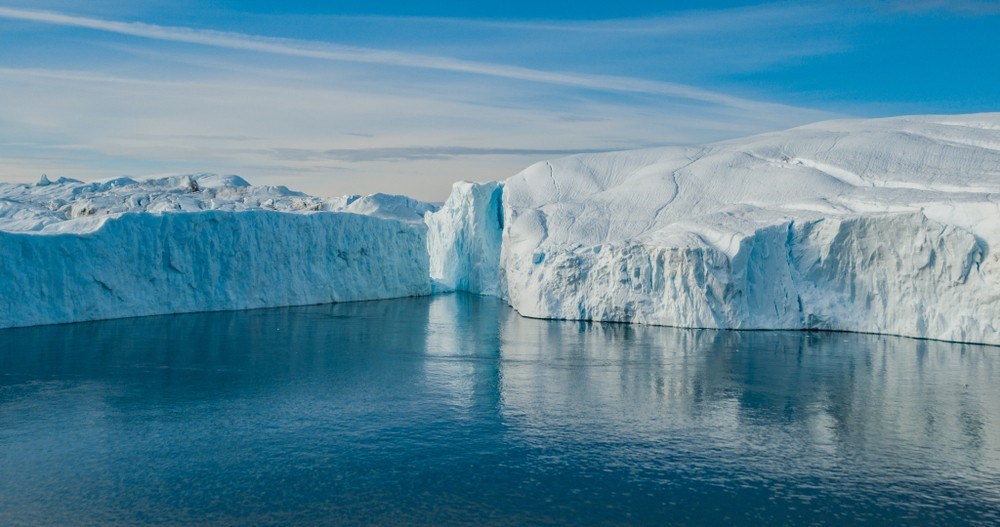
[355, 97]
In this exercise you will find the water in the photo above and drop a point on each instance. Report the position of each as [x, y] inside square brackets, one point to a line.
[453, 410]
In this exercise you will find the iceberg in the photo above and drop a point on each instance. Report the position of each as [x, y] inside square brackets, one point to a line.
[74, 251]
[882, 226]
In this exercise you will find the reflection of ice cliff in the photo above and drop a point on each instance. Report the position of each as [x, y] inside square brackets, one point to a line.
[922, 407]
[785, 404]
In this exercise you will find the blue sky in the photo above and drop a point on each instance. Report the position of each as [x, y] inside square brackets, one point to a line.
[361, 96]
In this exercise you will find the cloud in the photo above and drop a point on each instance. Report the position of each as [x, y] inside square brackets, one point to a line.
[299, 135]
[93, 104]
[694, 22]
[331, 52]
[376, 134]
[423, 153]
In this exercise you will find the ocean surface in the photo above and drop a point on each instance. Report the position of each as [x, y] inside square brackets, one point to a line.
[453, 410]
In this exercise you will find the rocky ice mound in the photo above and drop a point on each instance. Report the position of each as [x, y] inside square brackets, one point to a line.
[884, 226]
[76, 251]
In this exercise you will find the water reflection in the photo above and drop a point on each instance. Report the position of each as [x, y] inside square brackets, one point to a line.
[911, 424]
[456, 410]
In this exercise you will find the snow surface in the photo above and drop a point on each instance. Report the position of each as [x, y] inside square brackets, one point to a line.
[57, 207]
[883, 226]
[74, 251]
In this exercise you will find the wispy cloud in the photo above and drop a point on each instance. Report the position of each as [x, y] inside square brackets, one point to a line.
[394, 112]
[319, 138]
[423, 153]
[693, 22]
[326, 51]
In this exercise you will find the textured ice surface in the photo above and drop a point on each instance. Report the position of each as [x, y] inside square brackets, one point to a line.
[72, 251]
[886, 226]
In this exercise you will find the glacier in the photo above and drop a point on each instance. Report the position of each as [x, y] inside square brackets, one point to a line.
[884, 226]
[878, 225]
[74, 251]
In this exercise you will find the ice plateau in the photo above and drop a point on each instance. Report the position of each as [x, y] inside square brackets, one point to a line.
[73, 251]
[883, 226]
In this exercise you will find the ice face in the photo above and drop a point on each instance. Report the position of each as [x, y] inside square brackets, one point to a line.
[77, 251]
[463, 239]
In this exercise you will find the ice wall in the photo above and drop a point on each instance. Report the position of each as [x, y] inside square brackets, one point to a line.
[73, 251]
[145, 264]
[899, 274]
[463, 239]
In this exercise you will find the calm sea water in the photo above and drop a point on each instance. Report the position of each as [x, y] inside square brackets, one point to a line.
[453, 410]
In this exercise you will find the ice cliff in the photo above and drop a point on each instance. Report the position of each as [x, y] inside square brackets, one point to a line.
[464, 239]
[884, 226]
[72, 251]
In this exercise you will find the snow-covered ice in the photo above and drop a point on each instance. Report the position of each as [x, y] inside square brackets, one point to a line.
[884, 226]
[48, 207]
[72, 251]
